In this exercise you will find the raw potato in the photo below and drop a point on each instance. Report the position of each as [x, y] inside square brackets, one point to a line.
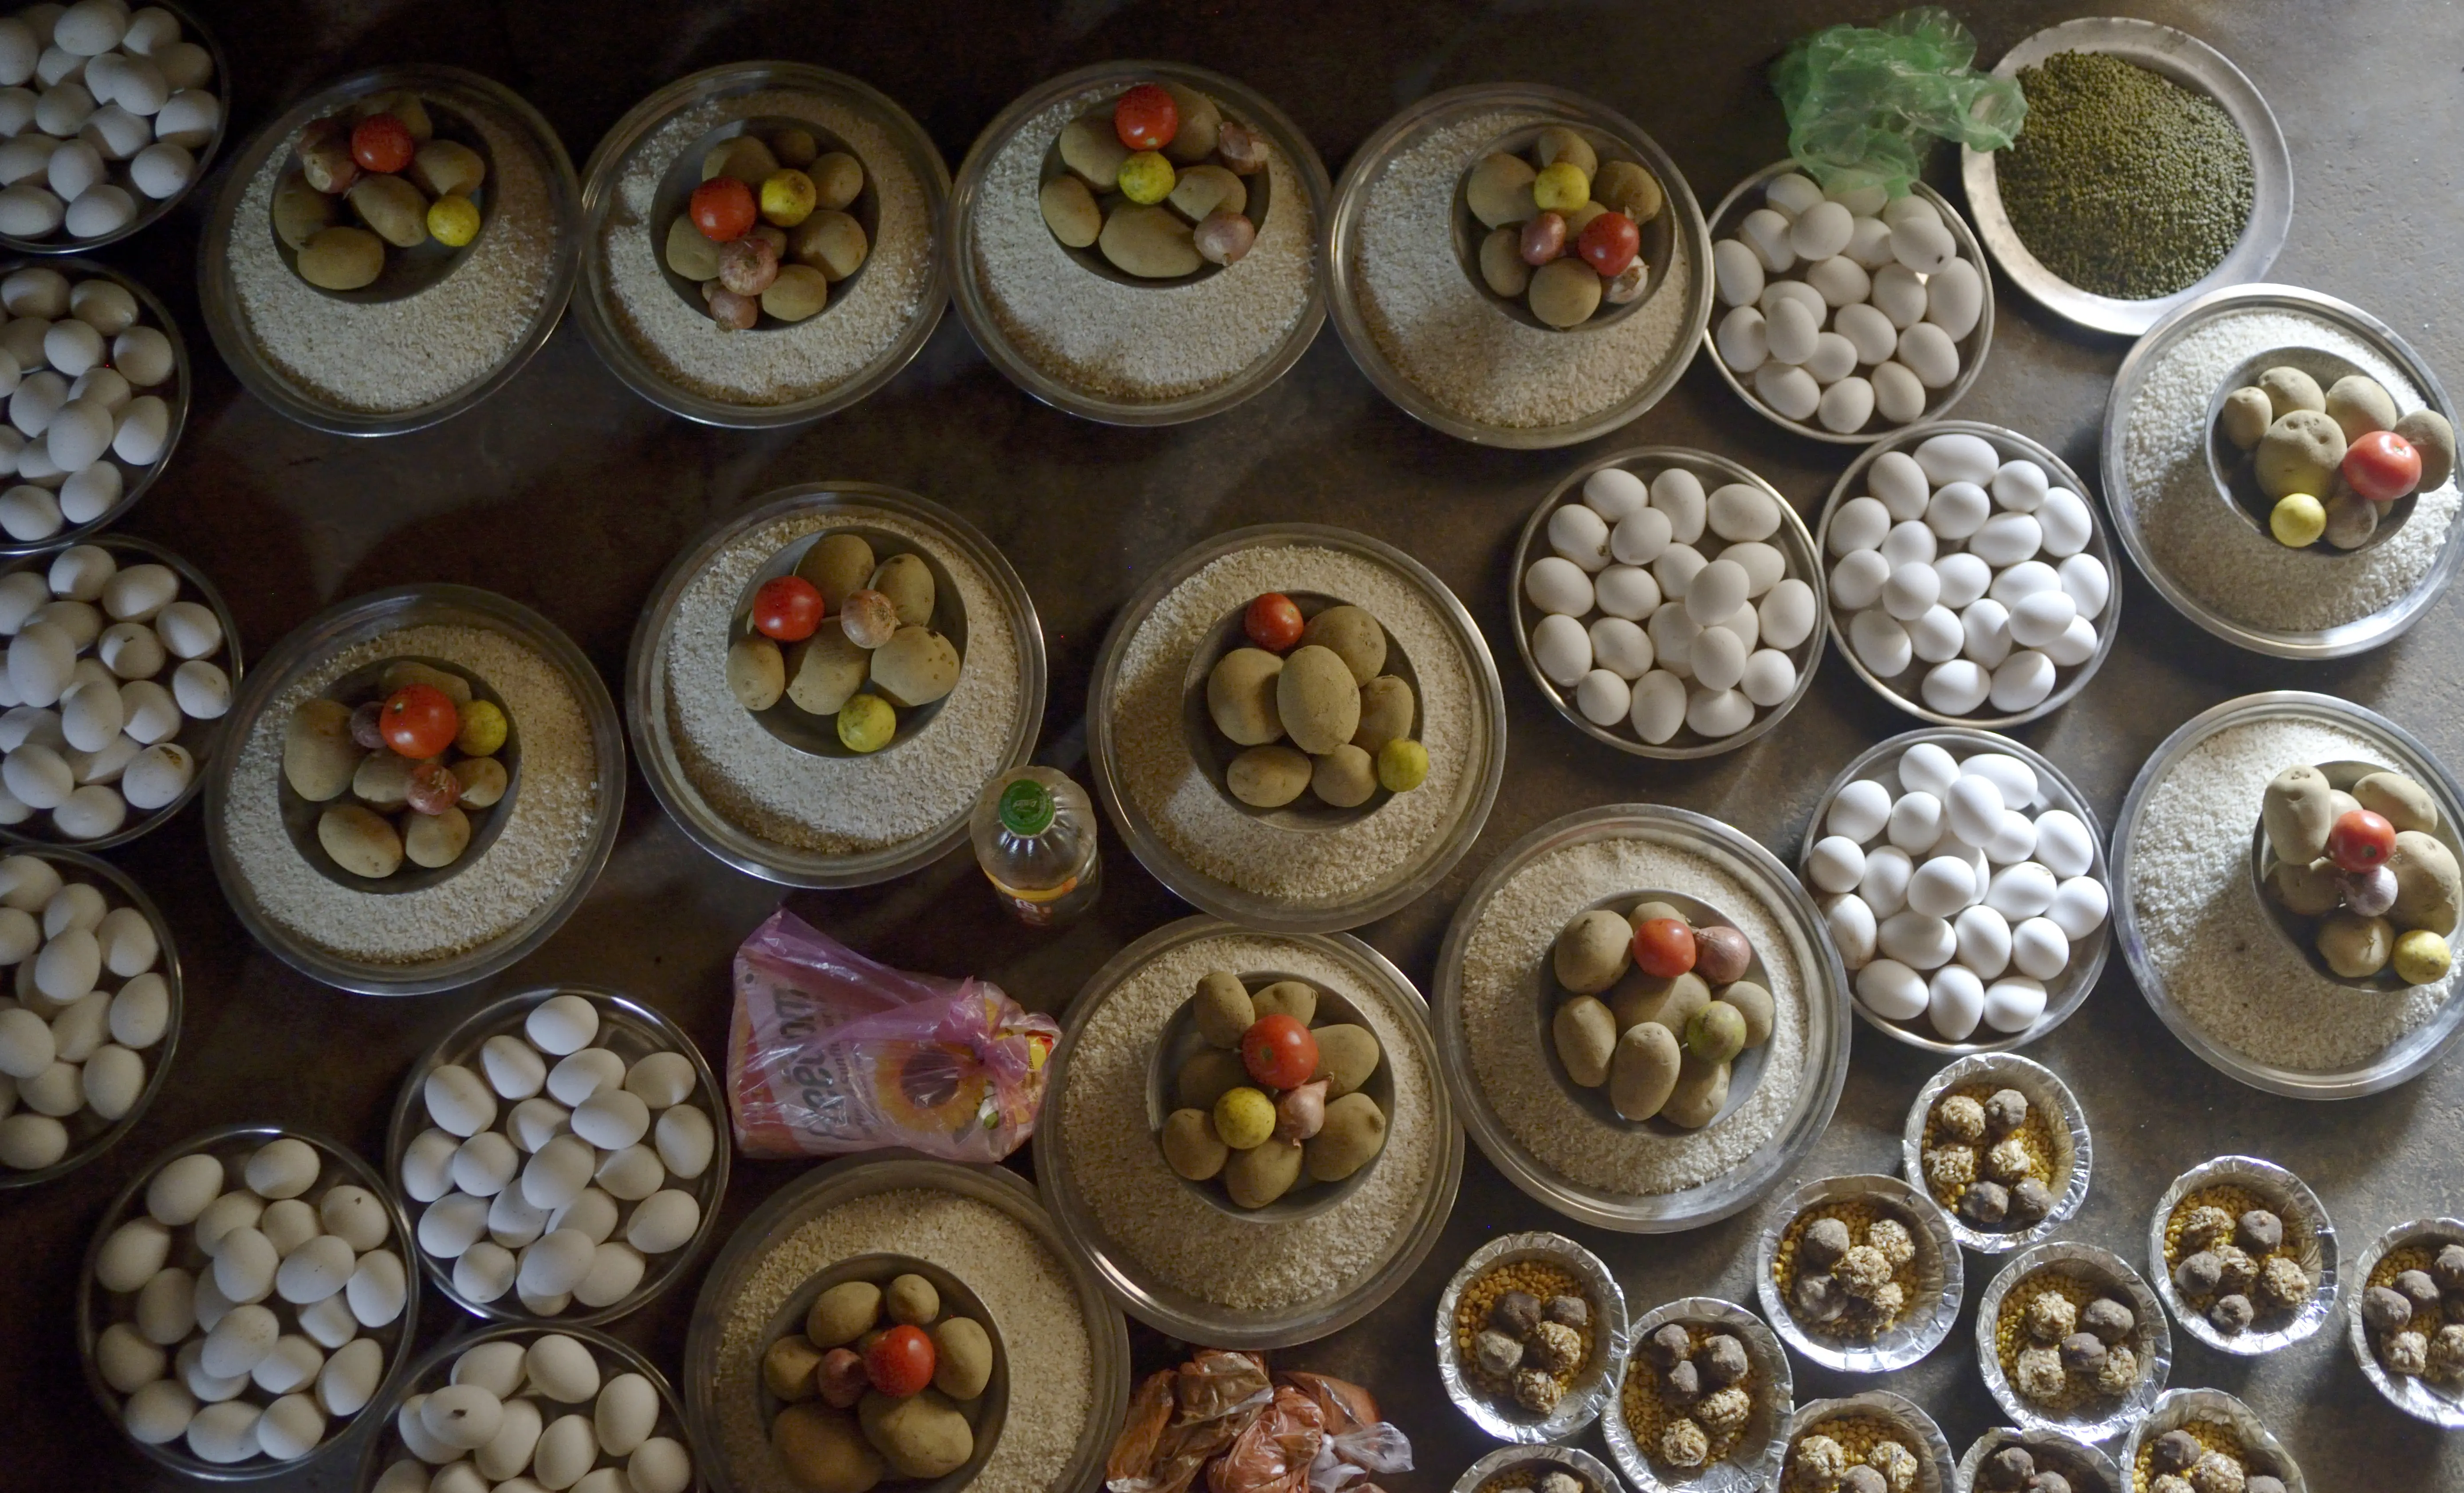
[843, 1313]
[410, 672]
[908, 581]
[1501, 263]
[384, 779]
[787, 1367]
[1585, 1035]
[2246, 416]
[2288, 389]
[317, 753]
[823, 1451]
[838, 566]
[1206, 1077]
[2435, 440]
[1070, 210]
[912, 1300]
[1671, 1003]
[1267, 776]
[1240, 691]
[1643, 1072]
[1347, 1057]
[1317, 699]
[2359, 404]
[436, 840]
[1386, 713]
[757, 674]
[1091, 147]
[2428, 891]
[1354, 636]
[343, 260]
[1702, 1090]
[963, 1354]
[799, 293]
[824, 670]
[1499, 190]
[1625, 186]
[483, 779]
[1263, 1173]
[1593, 951]
[301, 210]
[1204, 189]
[1557, 142]
[359, 840]
[2312, 890]
[1353, 1135]
[922, 1436]
[2398, 800]
[1344, 777]
[1565, 293]
[2355, 947]
[2297, 810]
[916, 666]
[1191, 1147]
[1221, 1008]
[1754, 1003]
[392, 209]
[1292, 997]
[1148, 242]
[2299, 453]
[830, 242]
[445, 167]
[690, 251]
[747, 158]
[838, 180]
[1201, 123]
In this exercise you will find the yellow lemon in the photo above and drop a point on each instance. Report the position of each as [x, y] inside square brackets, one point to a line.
[867, 723]
[788, 197]
[1245, 1118]
[2297, 521]
[2420, 957]
[483, 730]
[1403, 765]
[452, 220]
[1146, 177]
[1561, 187]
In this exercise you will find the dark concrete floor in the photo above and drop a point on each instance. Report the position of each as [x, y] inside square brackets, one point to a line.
[570, 494]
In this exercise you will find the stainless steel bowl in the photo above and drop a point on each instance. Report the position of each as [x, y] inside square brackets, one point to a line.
[97, 1308]
[1760, 1449]
[360, 620]
[960, 262]
[2261, 1451]
[2122, 501]
[1881, 763]
[2305, 1218]
[2300, 933]
[1934, 1467]
[2235, 470]
[89, 1134]
[1482, 748]
[630, 1030]
[1543, 104]
[2063, 1454]
[820, 1189]
[646, 686]
[1928, 1317]
[1127, 1279]
[2073, 1154]
[2438, 1403]
[385, 1446]
[601, 199]
[151, 312]
[151, 210]
[1826, 1035]
[2151, 1342]
[2400, 1061]
[1543, 1460]
[203, 738]
[218, 295]
[1902, 689]
[1804, 563]
[1744, 198]
[1593, 1387]
[2193, 64]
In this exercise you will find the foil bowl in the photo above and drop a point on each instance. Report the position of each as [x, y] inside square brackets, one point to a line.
[2072, 1153]
[1755, 1463]
[1934, 1466]
[2150, 1340]
[2070, 1457]
[1548, 1459]
[2261, 1451]
[2440, 1405]
[2304, 1216]
[1593, 1387]
[1927, 1320]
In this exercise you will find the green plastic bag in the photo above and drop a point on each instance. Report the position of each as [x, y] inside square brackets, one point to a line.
[1863, 102]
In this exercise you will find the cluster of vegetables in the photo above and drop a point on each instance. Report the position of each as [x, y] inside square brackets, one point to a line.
[860, 644]
[70, 1049]
[1318, 685]
[2235, 1268]
[2384, 889]
[1269, 1100]
[489, 1424]
[2331, 461]
[1155, 185]
[767, 231]
[245, 1300]
[1564, 228]
[73, 358]
[1659, 1009]
[97, 98]
[388, 753]
[403, 185]
[913, 1383]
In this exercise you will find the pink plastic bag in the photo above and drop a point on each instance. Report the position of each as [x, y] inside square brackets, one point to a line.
[829, 1052]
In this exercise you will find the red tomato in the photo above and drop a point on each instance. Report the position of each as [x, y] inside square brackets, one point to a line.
[381, 142]
[788, 607]
[419, 720]
[2361, 841]
[900, 1362]
[2382, 466]
[1272, 622]
[1146, 119]
[1609, 244]
[1663, 947]
[722, 209]
[1279, 1051]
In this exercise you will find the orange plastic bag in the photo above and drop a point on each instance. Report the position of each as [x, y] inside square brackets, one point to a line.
[1274, 1455]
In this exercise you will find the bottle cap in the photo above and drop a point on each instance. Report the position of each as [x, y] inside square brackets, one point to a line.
[1027, 807]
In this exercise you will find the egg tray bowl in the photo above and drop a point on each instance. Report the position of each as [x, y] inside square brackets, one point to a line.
[674, 200]
[2304, 1217]
[100, 1135]
[2088, 1469]
[435, 1368]
[2261, 1451]
[2300, 932]
[2151, 1341]
[630, 1030]
[1932, 1307]
[1804, 563]
[1258, 187]
[97, 1308]
[1935, 1469]
[1755, 1460]
[2062, 997]
[2074, 1153]
[1747, 196]
[1594, 1386]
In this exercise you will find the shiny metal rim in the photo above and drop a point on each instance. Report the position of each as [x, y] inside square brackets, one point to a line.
[2338, 642]
[2187, 61]
[1736, 1473]
[2078, 981]
[2405, 1393]
[2152, 1340]
[2175, 1408]
[1507, 1458]
[2047, 1086]
[2295, 1203]
[1924, 1324]
[2012, 447]
[966, 289]
[1972, 348]
[2073, 1453]
[219, 298]
[1826, 1038]
[1592, 1391]
[2409, 1055]
[1341, 248]
[645, 695]
[1805, 564]
[1935, 1467]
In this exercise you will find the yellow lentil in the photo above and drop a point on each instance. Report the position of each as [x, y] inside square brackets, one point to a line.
[2213, 1436]
[1646, 1412]
[1860, 1214]
[1543, 1280]
[2236, 1201]
[2035, 1134]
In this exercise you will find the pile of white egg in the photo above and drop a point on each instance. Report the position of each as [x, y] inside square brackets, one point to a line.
[1960, 897]
[1972, 567]
[566, 1202]
[90, 731]
[101, 108]
[72, 360]
[488, 1426]
[1692, 612]
[1820, 288]
[68, 1047]
[254, 1298]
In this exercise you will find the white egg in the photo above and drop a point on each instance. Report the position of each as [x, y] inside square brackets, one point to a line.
[1924, 245]
[2013, 841]
[508, 1453]
[1884, 886]
[662, 1465]
[631, 1173]
[1986, 625]
[484, 1164]
[28, 513]
[1982, 938]
[287, 1223]
[239, 1341]
[2064, 846]
[2013, 1005]
[450, 1224]
[1642, 537]
[1792, 192]
[1899, 296]
[625, 1414]
[1770, 677]
[1898, 395]
[1788, 390]
[557, 1172]
[1846, 405]
[156, 777]
[116, 132]
[71, 963]
[111, 1080]
[149, 30]
[2019, 485]
[2039, 948]
[1744, 339]
[1675, 570]
[2008, 539]
[181, 1189]
[514, 1068]
[2066, 521]
[294, 1361]
[458, 1100]
[536, 1121]
[1954, 298]
[91, 27]
[1858, 810]
[1915, 823]
[1618, 646]
[145, 427]
[1869, 331]
[1856, 581]
[1954, 1001]
[1615, 494]
[1820, 232]
[1955, 688]
[1766, 233]
[1910, 542]
[167, 1307]
[2024, 580]
[63, 109]
[1736, 267]
[2022, 681]
[1859, 524]
[1940, 886]
[1958, 510]
[562, 1024]
[143, 356]
[31, 1141]
[184, 64]
[225, 1433]
[1787, 614]
[1834, 358]
[354, 1215]
[1881, 643]
[233, 1211]
[2087, 582]
[1556, 586]
[1718, 659]
[131, 1254]
[201, 689]
[2078, 906]
[1602, 697]
[1562, 649]
[81, 431]
[1891, 990]
[1716, 591]
[127, 1361]
[1974, 805]
[91, 716]
[137, 593]
[2040, 617]
[191, 117]
[72, 167]
[141, 1012]
[1926, 351]
[1909, 206]
[1841, 280]
[158, 1412]
[463, 1416]
[592, 1213]
[1627, 591]
[2025, 890]
[686, 1142]
[613, 1118]
[1719, 713]
[100, 209]
[1851, 923]
[1788, 330]
[563, 1368]
[350, 1376]
[615, 1270]
[1579, 534]
[1919, 940]
[514, 1220]
[1835, 863]
[163, 171]
[1911, 591]
[1798, 290]
[408, 1424]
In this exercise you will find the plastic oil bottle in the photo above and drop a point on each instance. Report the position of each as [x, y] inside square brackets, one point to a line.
[1035, 836]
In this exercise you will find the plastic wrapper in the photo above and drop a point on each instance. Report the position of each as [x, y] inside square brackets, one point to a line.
[1864, 102]
[1219, 1415]
[829, 1053]
[1274, 1455]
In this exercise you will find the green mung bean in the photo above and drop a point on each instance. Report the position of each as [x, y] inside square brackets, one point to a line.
[2123, 182]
